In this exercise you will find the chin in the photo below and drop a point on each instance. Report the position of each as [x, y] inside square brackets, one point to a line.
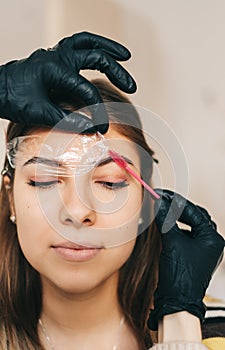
[79, 288]
[80, 283]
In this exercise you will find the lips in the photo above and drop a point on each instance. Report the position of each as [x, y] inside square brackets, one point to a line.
[71, 245]
[74, 252]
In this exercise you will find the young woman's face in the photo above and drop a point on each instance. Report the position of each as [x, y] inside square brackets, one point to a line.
[67, 224]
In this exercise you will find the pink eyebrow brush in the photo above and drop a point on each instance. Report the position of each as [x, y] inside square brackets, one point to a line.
[123, 164]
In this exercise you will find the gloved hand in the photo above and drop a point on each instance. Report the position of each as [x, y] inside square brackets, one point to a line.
[188, 258]
[25, 85]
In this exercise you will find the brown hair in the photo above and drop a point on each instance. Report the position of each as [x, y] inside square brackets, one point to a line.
[20, 291]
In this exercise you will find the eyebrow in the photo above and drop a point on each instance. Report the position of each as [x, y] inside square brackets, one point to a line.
[109, 160]
[56, 163]
[51, 162]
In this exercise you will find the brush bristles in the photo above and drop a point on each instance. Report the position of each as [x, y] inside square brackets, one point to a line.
[118, 159]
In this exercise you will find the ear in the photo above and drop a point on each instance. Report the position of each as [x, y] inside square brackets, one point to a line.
[8, 187]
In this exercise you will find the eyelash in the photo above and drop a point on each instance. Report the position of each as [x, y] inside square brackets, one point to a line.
[42, 185]
[106, 184]
[113, 185]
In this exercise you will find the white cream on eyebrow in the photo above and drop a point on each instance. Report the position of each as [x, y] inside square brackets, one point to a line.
[59, 153]
[56, 167]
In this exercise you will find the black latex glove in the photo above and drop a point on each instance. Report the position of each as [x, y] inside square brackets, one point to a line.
[188, 258]
[25, 85]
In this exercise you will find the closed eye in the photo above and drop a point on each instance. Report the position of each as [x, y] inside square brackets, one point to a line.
[113, 185]
[42, 184]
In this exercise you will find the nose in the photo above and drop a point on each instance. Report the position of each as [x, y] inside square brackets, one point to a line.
[76, 206]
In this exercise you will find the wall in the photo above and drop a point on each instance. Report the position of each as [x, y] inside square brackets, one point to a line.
[178, 57]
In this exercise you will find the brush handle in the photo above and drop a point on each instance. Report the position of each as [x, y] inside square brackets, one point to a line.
[137, 177]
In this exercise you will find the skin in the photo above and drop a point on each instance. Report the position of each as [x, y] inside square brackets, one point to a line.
[80, 303]
[187, 326]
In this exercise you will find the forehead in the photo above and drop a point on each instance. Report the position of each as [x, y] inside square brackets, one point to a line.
[59, 141]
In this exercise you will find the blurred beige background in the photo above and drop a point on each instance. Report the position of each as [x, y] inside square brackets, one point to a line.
[178, 58]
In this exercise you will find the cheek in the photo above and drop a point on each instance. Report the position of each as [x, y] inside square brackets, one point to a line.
[26, 205]
[31, 225]
[121, 225]
[119, 255]
[125, 206]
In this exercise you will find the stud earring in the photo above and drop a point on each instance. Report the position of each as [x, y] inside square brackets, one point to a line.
[12, 219]
[4, 171]
[140, 221]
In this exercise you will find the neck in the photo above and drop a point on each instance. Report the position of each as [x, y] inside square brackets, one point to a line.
[84, 310]
[87, 320]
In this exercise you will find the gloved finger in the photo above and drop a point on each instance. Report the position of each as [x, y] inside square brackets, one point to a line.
[172, 202]
[73, 87]
[207, 216]
[200, 222]
[168, 210]
[65, 82]
[44, 112]
[90, 95]
[97, 59]
[175, 207]
[78, 123]
[61, 119]
[87, 40]
[168, 194]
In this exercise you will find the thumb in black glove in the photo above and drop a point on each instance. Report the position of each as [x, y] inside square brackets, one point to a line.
[188, 258]
[25, 85]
